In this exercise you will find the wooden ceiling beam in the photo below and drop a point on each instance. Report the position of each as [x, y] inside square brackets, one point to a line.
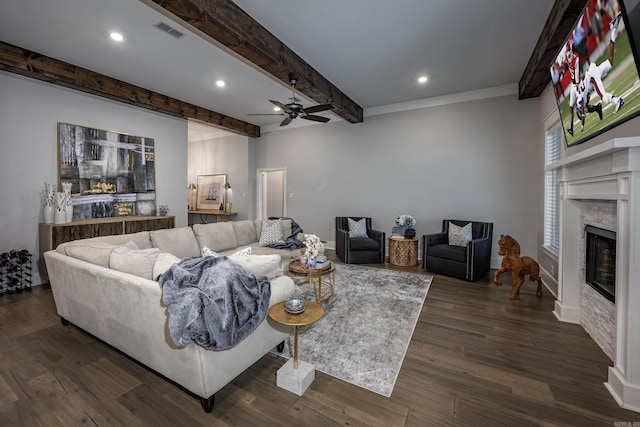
[40, 67]
[562, 18]
[226, 25]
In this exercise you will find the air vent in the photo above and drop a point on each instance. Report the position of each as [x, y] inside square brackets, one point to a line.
[168, 29]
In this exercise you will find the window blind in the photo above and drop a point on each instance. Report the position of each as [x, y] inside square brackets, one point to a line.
[553, 145]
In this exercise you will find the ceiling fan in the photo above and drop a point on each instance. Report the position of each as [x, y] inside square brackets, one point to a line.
[294, 109]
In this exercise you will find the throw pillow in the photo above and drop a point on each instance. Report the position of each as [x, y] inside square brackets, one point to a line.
[208, 252]
[243, 252]
[137, 262]
[358, 228]
[258, 265]
[164, 261]
[271, 233]
[459, 236]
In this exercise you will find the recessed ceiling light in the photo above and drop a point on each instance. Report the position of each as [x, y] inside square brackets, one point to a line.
[422, 79]
[220, 83]
[116, 36]
[276, 108]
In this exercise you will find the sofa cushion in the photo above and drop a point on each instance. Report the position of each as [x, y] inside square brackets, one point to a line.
[245, 232]
[456, 253]
[459, 236]
[164, 260]
[218, 236]
[258, 265]
[357, 228]
[364, 244]
[93, 251]
[177, 241]
[137, 262]
[284, 253]
[271, 233]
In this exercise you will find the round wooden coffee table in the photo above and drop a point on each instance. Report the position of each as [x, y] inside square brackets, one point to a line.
[311, 314]
[315, 276]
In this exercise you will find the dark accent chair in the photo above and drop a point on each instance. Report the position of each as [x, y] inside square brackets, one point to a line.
[468, 263]
[359, 250]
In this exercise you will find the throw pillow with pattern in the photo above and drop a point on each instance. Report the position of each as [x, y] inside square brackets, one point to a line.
[243, 252]
[459, 236]
[271, 233]
[358, 228]
[208, 252]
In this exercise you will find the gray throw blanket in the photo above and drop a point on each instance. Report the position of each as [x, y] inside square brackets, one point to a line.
[213, 302]
[290, 242]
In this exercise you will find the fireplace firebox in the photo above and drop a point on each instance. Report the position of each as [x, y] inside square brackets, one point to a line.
[601, 261]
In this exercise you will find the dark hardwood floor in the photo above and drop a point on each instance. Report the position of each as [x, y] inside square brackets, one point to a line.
[476, 358]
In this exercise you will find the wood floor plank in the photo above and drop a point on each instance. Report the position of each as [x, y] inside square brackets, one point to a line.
[476, 358]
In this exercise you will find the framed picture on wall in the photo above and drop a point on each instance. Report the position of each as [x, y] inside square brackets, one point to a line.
[210, 191]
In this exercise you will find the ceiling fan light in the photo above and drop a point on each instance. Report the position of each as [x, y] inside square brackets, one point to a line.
[277, 108]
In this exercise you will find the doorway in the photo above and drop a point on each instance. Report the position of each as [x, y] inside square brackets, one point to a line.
[272, 187]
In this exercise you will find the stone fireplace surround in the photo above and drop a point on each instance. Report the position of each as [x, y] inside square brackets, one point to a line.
[609, 173]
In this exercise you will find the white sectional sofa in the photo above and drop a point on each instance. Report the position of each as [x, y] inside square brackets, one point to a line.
[106, 286]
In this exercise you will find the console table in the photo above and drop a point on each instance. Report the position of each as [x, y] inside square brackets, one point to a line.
[51, 235]
[221, 216]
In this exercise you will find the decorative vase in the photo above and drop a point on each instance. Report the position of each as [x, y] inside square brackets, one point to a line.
[321, 259]
[68, 204]
[48, 214]
[59, 216]
[48, 202]
[69, 212]
[409, 233]
[311, 262]
[60, 211]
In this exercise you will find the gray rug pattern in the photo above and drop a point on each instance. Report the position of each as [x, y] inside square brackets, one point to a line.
[364, 334]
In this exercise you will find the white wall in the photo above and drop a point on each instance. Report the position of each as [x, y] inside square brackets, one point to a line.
[472, 160]
[29, 113]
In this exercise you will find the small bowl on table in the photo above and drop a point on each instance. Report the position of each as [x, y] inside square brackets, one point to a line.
[294, 306]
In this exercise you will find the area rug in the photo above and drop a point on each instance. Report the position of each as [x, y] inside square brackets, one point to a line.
[364, 335]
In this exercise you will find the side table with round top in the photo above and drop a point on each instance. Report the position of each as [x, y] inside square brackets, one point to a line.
[403, 252]
[316, 277]
[296, 376]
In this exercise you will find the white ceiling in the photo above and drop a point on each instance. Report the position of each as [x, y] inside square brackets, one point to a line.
[372, 50]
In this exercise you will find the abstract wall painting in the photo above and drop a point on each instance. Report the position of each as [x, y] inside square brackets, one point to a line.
[111, 173]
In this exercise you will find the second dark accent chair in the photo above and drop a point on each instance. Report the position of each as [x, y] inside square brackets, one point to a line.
[468, 262]
[359, 250]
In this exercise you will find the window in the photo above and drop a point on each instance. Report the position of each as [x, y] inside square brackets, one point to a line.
[553, 143]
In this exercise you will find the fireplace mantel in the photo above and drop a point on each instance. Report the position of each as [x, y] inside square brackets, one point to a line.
[609, 172]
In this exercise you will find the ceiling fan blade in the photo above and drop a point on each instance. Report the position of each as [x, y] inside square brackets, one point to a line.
[279, 104]
[316, 118]
[286, 121]
[318, 108]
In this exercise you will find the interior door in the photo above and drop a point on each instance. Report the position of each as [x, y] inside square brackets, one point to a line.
[271, 193]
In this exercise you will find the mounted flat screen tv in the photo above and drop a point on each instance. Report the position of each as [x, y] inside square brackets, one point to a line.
[595, 73]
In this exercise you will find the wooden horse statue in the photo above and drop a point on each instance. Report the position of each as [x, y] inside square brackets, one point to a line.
[519, 266]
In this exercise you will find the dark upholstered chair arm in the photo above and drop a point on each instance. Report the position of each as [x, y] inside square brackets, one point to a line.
[342, 244]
